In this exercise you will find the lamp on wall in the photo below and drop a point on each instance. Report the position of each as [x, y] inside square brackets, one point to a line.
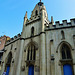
[52, 57]
[23, 68]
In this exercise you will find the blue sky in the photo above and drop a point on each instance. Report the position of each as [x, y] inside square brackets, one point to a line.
[12, 13]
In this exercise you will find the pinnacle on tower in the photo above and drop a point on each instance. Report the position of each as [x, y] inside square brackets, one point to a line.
[26, 15]
[52, 20]
[25, 18]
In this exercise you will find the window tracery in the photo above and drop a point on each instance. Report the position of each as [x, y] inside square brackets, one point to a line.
[66, 54]
[31, 52]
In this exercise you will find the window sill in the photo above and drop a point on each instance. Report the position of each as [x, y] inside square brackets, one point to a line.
[30, 62]
[66, 60]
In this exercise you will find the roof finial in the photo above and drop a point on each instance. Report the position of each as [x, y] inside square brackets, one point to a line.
[40, 0]
[52, 20]
[26, 15]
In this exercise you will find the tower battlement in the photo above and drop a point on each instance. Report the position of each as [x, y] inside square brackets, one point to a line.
[33, 19]
[62, 25]
[16, 37]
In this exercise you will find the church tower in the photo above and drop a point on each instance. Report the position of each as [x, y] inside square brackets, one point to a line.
[33, 50]
[43, 48]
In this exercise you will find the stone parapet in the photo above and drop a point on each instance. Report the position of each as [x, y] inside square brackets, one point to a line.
[16, 37]
[62, 25]
[33, 20]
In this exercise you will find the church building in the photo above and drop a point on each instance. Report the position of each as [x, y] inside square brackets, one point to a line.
[42, 48]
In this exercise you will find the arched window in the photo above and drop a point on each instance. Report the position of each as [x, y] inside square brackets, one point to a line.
[63, 35]
[32, 31]
[65, 51]
[8, 63]
[31, 52]
[36, 13]
[9, 58]
[1, 54]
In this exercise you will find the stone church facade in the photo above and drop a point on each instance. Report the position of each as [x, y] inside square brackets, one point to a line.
[43, 48]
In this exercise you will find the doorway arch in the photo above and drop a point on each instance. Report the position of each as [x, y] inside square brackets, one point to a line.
[65, 52]
[66, 59]
[67, 69]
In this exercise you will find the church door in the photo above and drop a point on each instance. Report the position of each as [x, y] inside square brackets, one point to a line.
[7, 71]
[67, 69]
[31, 70]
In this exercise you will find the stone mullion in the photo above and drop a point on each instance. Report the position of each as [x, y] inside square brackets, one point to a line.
[33, 52]
[30, 53]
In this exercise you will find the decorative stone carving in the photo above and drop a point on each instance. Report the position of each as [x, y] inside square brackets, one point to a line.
[13, 61]
[23, 68]
[37, 68]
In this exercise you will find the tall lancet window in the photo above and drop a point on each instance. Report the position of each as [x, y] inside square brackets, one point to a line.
[31, 52]
[67, 63]
[63, 35]
[8, 63]
[32, 31]
[65, 51]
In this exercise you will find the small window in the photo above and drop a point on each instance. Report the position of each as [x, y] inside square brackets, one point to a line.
[32, 31]
[36, 12]
[11, 46]
[63, 35]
